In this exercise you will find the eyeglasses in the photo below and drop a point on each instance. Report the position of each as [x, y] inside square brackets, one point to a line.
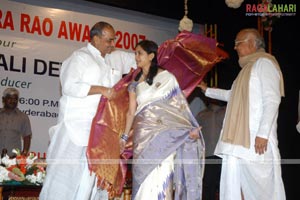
[237, 42]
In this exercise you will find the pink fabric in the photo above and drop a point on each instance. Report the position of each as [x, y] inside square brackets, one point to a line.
[189, 57]
[103, 150]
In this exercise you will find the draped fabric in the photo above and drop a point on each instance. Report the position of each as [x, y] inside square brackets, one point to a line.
[161, 128]
[189, 57]
[103, 150]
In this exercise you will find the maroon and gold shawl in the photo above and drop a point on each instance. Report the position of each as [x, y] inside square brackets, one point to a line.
[189, 57]
[103, 150]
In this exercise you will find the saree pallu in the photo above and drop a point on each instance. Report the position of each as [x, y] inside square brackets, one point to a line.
[161, 128]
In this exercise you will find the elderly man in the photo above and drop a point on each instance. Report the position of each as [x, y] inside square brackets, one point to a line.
[248, 142]
[14, 125]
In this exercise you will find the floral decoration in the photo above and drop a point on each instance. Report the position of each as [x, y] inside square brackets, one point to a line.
[23, 169]
[234, 3]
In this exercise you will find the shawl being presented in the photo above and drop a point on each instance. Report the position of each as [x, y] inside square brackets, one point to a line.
[189, 57]
[103, 151]
[238, 106]
[162, 127]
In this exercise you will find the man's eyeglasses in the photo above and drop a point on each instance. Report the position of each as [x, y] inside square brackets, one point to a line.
[237, 42]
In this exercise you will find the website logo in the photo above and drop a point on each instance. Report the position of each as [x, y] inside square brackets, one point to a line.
[267, 8]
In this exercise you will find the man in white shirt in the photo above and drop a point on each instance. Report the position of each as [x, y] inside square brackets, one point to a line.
[248, 142]
[15, 127]
[85, 76]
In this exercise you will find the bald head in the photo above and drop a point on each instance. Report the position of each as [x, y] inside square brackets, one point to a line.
[98, 28]
[103, 37]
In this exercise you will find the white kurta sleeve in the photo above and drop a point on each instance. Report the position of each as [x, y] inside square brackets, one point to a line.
[128, 58]
[71, 77]
[269, 79]
[121, 60]
[219, 94]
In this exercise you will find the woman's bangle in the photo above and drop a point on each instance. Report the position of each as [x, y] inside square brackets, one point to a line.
[124, 137]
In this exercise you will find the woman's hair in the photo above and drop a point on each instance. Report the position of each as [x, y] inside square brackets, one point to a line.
[150, 47]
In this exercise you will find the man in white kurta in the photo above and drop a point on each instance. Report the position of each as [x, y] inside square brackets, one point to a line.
[253, 171]
[84, 76]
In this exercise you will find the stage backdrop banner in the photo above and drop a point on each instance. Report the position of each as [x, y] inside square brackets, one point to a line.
[34, 41]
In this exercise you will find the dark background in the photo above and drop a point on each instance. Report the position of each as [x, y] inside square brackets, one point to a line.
[285, 47]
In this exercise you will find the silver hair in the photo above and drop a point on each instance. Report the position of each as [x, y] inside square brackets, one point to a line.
[10, 91]
[258, 39]
[260, 42]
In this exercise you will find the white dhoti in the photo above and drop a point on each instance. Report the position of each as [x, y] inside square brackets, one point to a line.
[256, 180]
[68, 176]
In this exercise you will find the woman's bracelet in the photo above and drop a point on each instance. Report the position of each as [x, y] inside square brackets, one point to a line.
[124, 137]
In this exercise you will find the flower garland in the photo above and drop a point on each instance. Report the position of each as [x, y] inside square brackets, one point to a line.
[185, 24]
[234, 3]
[21, 169]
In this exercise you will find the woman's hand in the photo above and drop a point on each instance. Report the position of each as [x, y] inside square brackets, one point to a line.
[194, 133]
[122, 145]
[123, 139]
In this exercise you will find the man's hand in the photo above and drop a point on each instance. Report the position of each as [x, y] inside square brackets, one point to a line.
[202, 86]
[110, 94]
[260, 145]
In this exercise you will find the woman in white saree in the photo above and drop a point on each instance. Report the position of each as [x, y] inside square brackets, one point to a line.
[168, 147]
